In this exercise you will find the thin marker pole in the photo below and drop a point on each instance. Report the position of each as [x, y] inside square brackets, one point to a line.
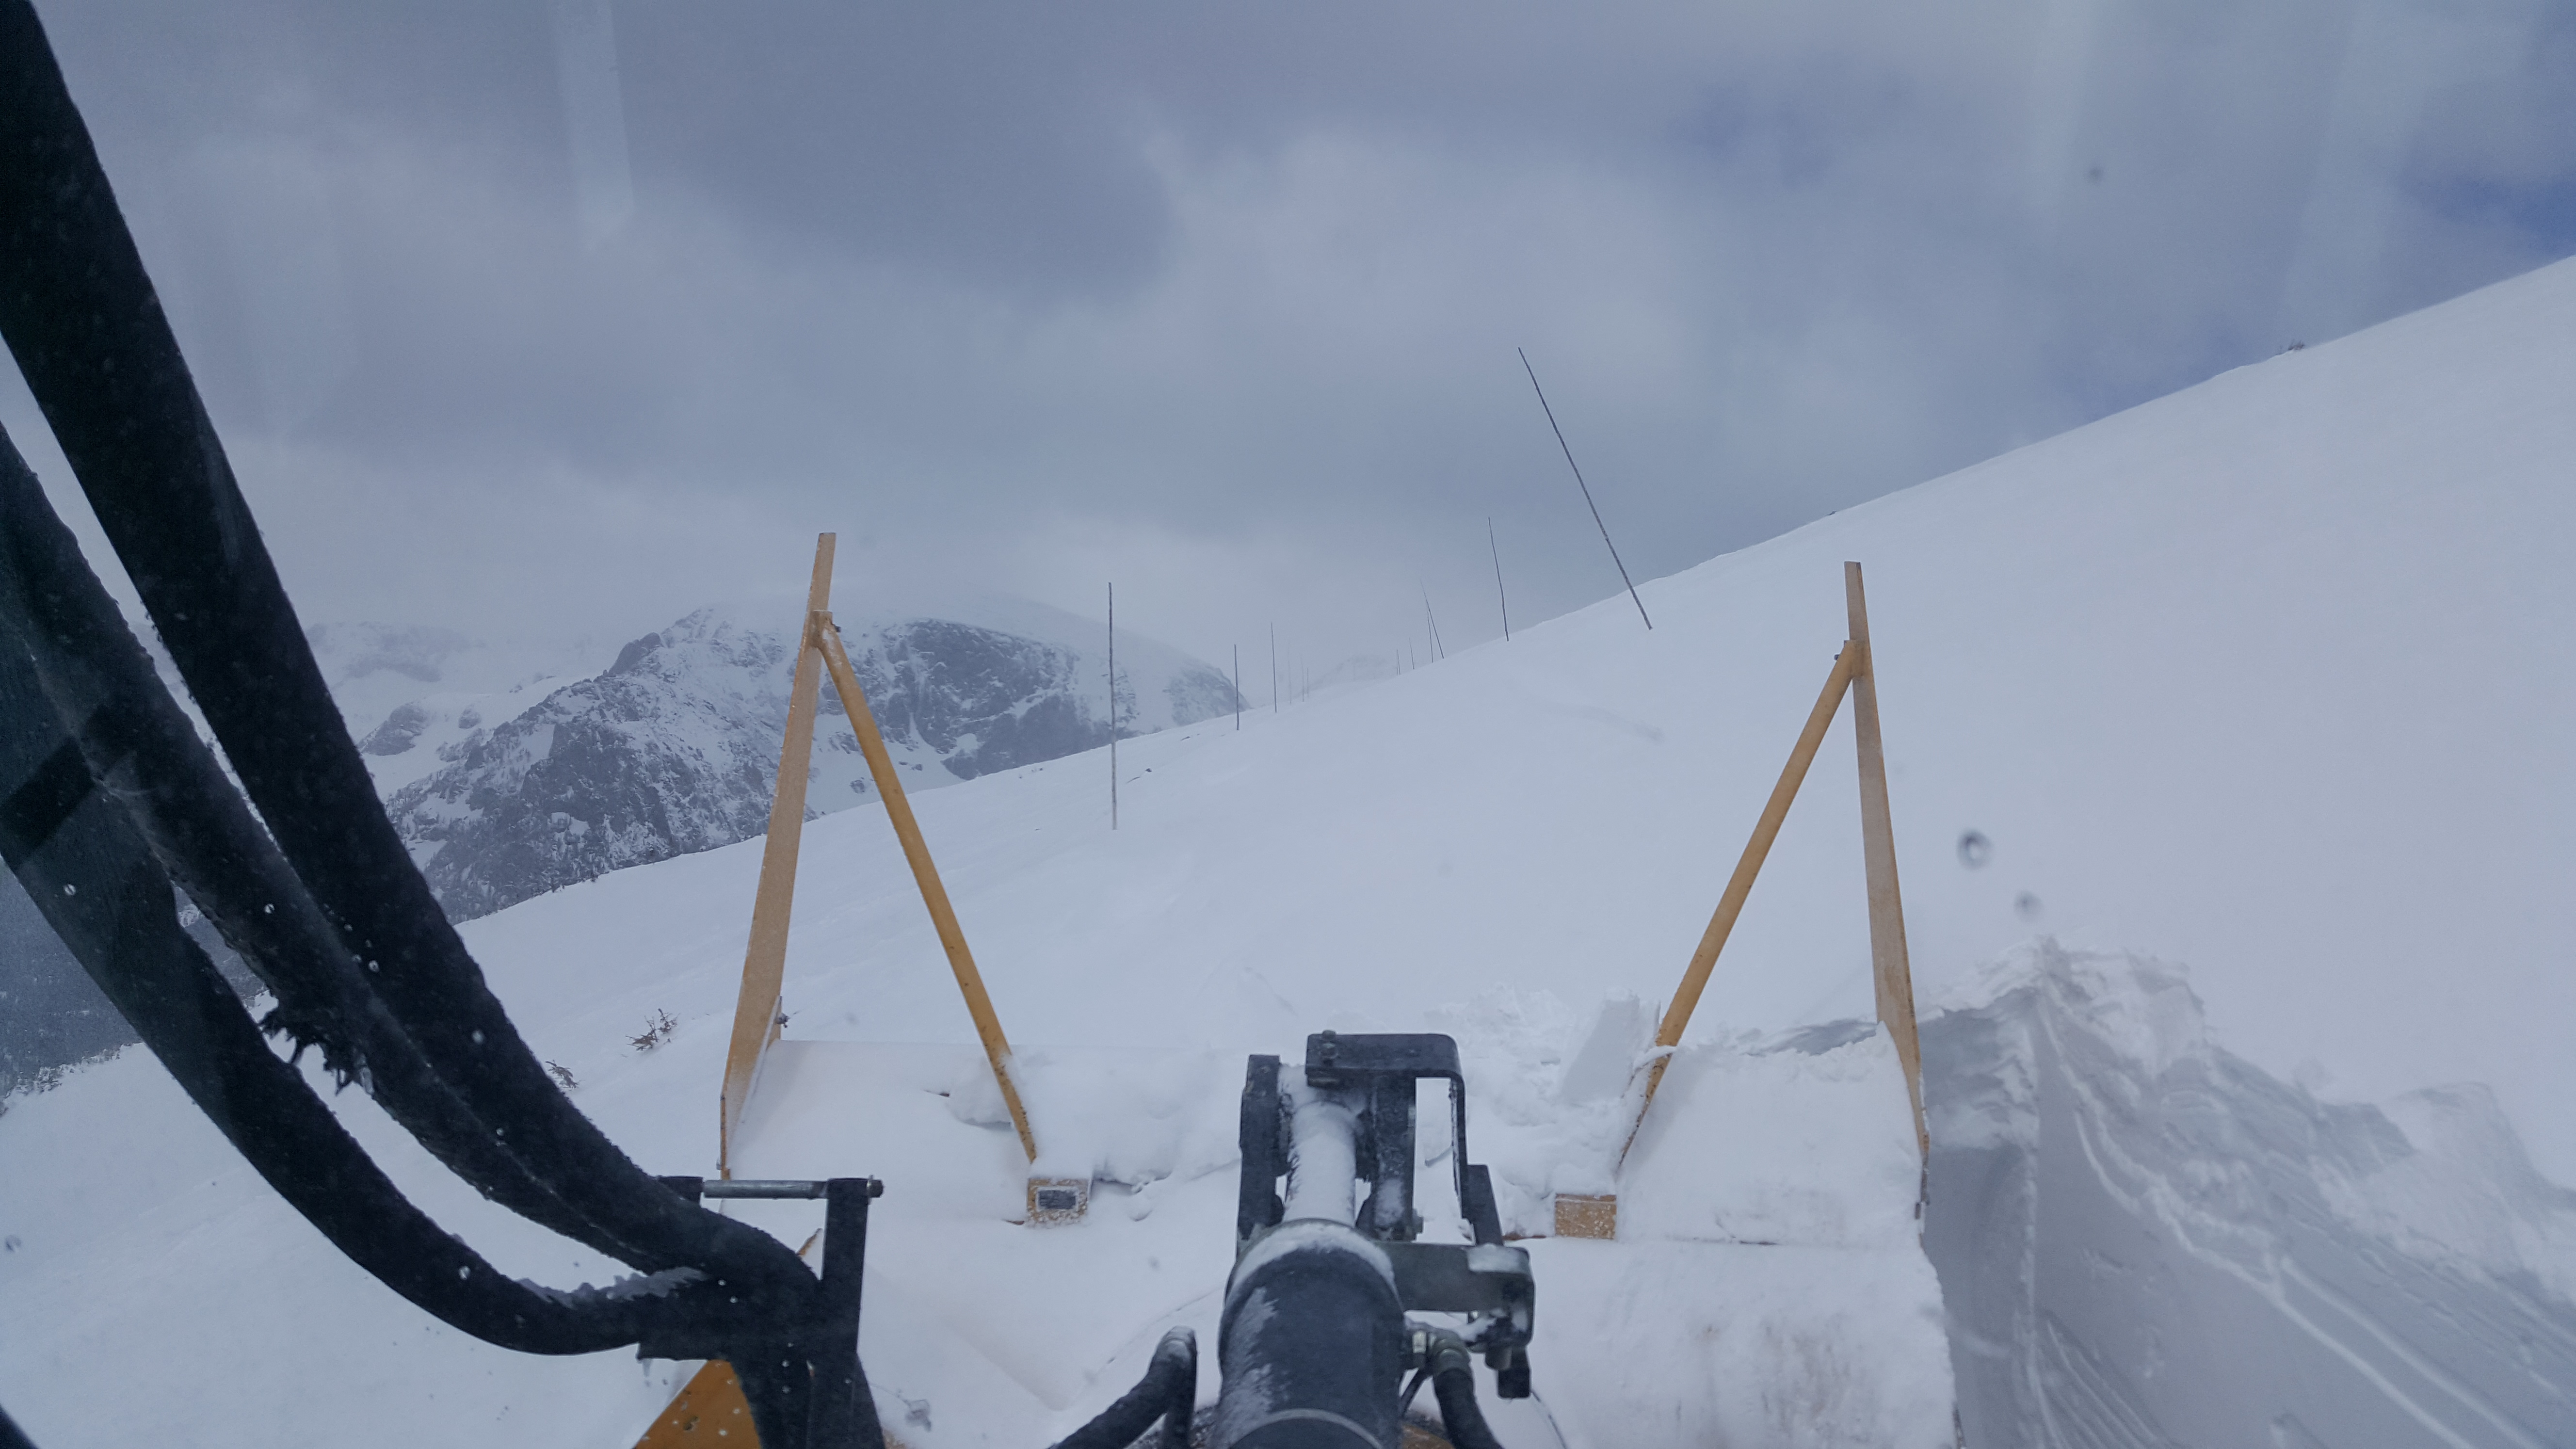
[1274, 669]
[1498, 580]
[1113, 706]
[1586, 487]
[1433, 620]
[1238, 687]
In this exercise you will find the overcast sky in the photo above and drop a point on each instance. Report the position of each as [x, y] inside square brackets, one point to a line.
[562, 318]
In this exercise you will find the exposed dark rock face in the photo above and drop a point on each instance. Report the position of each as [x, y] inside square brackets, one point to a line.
[671, 751]
[675, 748]
[983, 701]
[400, 729]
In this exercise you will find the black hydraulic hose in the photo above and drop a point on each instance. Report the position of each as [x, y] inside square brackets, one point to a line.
[1460, 1418]
[98, 887]
[89, 336]
[1404, 1404]
[1169, 1391]
[142, 749]
[1453, 1381]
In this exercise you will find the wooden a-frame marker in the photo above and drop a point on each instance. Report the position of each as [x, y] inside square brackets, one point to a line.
[756, 1018]
[1854, 673]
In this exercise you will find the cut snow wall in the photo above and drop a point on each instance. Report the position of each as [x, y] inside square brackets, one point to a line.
[1767, 1286]
[2143, 1240]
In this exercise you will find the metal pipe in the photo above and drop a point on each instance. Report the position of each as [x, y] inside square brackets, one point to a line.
[1311, 1343]
[779, 1187]
[1323, 1155]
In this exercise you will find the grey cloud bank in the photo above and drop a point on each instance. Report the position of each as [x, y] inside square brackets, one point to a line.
[531, 317]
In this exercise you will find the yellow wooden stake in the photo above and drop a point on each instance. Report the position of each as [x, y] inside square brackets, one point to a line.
[997, 1048]
[1740, 886]
[764, 961]
[1894, 975]
[708, 1409]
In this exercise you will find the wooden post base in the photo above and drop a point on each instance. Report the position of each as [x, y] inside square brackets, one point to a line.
[1054, 1201]
[1587, 1215]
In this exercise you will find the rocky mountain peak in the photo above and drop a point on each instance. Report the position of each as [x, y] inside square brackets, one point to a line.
[674, 748]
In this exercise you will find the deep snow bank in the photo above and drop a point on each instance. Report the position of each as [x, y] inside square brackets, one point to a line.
[2145, 1240]
[1767, 1286]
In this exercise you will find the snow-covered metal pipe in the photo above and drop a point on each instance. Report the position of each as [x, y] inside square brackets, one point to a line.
[1311, 1343]
[1323, 1155]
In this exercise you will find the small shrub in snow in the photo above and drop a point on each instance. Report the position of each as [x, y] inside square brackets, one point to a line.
[656, 1032]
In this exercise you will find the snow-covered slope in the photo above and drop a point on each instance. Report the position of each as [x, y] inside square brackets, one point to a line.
[2269, 678]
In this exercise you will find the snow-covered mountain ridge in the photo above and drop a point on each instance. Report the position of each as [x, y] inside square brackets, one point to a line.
[675, 747]
[520, 772]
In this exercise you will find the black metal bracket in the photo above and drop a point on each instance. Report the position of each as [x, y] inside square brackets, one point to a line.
[1488, 1280]
[1382, 1068]
[840, 1412]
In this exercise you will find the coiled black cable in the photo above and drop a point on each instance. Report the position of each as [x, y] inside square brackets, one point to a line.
[143, 751]
[87, 331]
[100, 890]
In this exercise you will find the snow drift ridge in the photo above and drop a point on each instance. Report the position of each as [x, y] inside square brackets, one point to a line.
[2145, 1240]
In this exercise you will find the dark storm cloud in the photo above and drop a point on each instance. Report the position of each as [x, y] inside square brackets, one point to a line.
[1222, 299]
